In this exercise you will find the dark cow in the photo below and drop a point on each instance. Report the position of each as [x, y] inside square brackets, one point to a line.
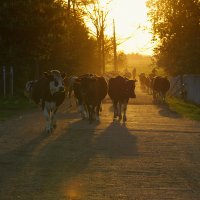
[49, 92]
[142, 79]
[160, 86]
[90, 90]
[77, 88]
[69, 83]
[146, 82]
[120, 89]
[151, 78]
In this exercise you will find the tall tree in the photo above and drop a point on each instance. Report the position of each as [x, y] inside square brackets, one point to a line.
[176, 29]
[34, 36]
[97, 15]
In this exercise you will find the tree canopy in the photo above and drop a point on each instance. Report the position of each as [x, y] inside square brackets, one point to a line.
[38, 35]
[176, 29]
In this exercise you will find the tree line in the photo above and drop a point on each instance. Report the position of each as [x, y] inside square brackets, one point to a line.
[176, 31]
[39, 35]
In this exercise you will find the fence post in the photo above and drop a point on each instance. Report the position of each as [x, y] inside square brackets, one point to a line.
[4, 81]
[11, 80]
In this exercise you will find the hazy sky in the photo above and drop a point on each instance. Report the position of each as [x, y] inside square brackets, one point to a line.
[130, 20]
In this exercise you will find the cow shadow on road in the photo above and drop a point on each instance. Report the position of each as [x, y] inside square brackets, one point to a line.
[52, 163]
[165, 111]
[41, 167]
[116, 141]
[16, 165]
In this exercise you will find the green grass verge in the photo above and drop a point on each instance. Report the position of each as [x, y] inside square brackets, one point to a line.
[11, 106]
[185, 109]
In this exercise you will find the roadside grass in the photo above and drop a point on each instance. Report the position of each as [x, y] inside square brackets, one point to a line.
[185, 109]
[11, 106]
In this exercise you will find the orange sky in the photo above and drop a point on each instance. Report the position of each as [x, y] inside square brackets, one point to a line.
[131, 22]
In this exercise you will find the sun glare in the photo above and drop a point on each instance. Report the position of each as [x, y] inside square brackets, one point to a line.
[132, 26]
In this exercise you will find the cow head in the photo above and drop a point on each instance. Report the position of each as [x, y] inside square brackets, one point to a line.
[56, 81]
[28, 88]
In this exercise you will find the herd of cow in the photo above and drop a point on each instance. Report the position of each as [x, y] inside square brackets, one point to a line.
[89, 91]
[155, 85]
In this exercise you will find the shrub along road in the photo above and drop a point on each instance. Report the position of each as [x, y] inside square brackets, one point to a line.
[155, 155]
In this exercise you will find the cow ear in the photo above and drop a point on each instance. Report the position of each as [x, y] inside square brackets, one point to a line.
[48, 75]
[63, 74]
[78, 80]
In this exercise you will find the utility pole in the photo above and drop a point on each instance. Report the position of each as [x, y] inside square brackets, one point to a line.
[103, 43]
[69, 26]
[68, 8]
[114, 47]
[74, 8]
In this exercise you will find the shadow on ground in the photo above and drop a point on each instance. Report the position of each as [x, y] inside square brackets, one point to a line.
[116, 141]
[41, 168]
[165, 111]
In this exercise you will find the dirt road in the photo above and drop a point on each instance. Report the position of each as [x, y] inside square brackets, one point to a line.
[154, 156]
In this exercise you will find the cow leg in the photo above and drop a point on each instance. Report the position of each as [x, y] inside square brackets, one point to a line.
[89, 108]
[47, 116]
[85, 111]
[125, 109]
[160, 97]
[120, 110]
[93, 112]
[163, 97]
[69, 97]
[82, 111]
[54, 117]
[115, 109]
[154, 94]
[98, 108]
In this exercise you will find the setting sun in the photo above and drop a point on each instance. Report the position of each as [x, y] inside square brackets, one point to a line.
[132, 26]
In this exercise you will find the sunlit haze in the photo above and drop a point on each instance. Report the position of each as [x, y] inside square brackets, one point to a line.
[132, 26]
[131, 21]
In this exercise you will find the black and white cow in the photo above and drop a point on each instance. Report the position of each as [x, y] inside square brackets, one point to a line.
[120, 89]
[90, 90]
[49, 92]
[28, 89]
